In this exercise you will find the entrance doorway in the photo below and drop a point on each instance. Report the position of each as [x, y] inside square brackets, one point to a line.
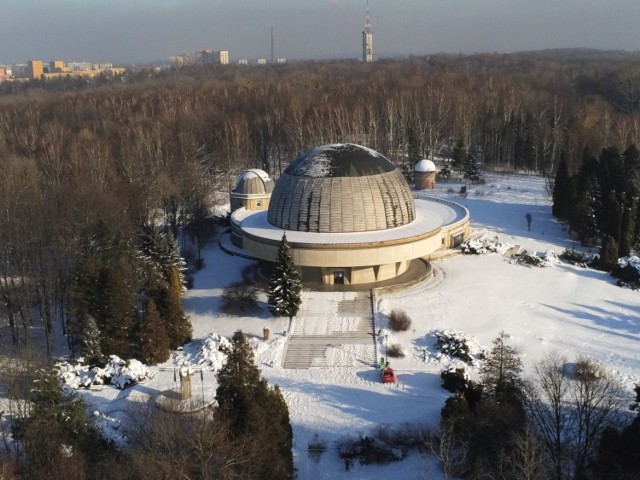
[338, 277]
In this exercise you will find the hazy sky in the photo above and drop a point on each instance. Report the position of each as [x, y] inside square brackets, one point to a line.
[137, 31]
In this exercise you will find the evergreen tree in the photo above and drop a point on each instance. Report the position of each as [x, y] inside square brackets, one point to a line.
[501, 373]
[587, 213]
[285, 286]
[151, 337]
[161, 254]
[414, 145]
[255, 412]
[118, 308]
[608, 253]
[562, 201]
[57, 437]
[176, 322]
[91, 340]
[628, 226]
[459, 156]
[472, 169]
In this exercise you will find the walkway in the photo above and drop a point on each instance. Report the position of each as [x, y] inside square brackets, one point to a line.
[332, 330]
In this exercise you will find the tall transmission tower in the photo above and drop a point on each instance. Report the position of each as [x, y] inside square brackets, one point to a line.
[272, 45]
[367, 39]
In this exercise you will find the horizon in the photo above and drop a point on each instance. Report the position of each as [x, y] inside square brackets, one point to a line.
[147, 32]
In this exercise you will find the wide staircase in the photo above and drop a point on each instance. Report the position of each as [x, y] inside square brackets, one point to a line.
[332, 329]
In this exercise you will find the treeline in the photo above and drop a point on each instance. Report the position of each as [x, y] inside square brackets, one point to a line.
[151, 148]
[600, 201]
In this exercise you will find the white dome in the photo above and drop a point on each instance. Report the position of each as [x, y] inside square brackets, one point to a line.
[425, 166]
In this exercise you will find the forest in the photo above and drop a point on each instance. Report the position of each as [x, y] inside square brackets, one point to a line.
[98, 179]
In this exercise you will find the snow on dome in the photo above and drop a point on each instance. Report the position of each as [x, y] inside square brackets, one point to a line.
[425, 166]
[340, 160]
[341, 188]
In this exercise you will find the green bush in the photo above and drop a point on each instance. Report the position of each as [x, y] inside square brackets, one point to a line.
[454, 345]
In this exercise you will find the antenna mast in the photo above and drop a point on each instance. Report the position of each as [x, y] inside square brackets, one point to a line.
[367, 39]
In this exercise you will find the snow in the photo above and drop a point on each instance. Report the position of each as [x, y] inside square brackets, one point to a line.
[572, 310]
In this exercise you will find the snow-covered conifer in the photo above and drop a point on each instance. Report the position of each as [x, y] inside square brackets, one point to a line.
[285, 286]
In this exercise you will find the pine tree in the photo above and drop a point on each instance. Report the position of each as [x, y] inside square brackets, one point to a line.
[151, 337]
[285, 286]
[91, 340]
[562, 201]
[472, 169]
[414, 145]
[608, 253]
[161, 253]
[255, 412]
[501, 373]
[459, 156]
[176, 322]
[118, 309]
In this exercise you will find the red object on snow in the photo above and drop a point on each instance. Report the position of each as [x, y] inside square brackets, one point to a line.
[388, 375]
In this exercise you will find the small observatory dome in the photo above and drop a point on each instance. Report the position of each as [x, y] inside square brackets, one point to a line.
[252, 191]
[425, 175]
[341, 188]
[425, 166]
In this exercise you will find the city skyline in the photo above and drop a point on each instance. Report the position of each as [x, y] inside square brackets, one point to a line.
[142, 31]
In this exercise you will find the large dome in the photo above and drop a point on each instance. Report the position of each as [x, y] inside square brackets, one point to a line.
[341, 188]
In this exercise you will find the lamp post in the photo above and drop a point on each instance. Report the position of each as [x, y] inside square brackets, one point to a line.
[386, 350]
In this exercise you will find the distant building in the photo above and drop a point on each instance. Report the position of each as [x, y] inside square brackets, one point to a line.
[367, 39]
[204, 57]
[35, 69]
[243, 61]
[56, 66]
[262, 61]
[281, 60]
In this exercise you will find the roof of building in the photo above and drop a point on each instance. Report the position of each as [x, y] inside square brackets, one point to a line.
[340, 160]
[425, 166]
[254, 182]
[341, 188]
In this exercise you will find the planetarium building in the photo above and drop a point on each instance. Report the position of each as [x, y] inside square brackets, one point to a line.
[349, 217]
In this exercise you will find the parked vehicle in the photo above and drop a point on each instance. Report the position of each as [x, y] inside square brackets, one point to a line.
[388, 375]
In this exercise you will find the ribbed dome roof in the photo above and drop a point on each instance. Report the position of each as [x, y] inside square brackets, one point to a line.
[341, 188]
[425, 166]
[254, 182]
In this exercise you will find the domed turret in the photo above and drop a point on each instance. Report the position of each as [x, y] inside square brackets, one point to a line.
[252, 191]
[425, 175]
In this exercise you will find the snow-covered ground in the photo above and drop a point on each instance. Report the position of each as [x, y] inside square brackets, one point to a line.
[561, 307]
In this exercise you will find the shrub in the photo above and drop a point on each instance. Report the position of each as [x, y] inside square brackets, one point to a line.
[368, 450]
[395, 351]
[454, 345]
[239, 296]
[317, 447]
[454, 380]
[399, 321]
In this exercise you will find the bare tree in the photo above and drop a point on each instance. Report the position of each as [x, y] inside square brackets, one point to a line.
[450, 450]
[570, 408]
[597, 399]
[549, 409]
